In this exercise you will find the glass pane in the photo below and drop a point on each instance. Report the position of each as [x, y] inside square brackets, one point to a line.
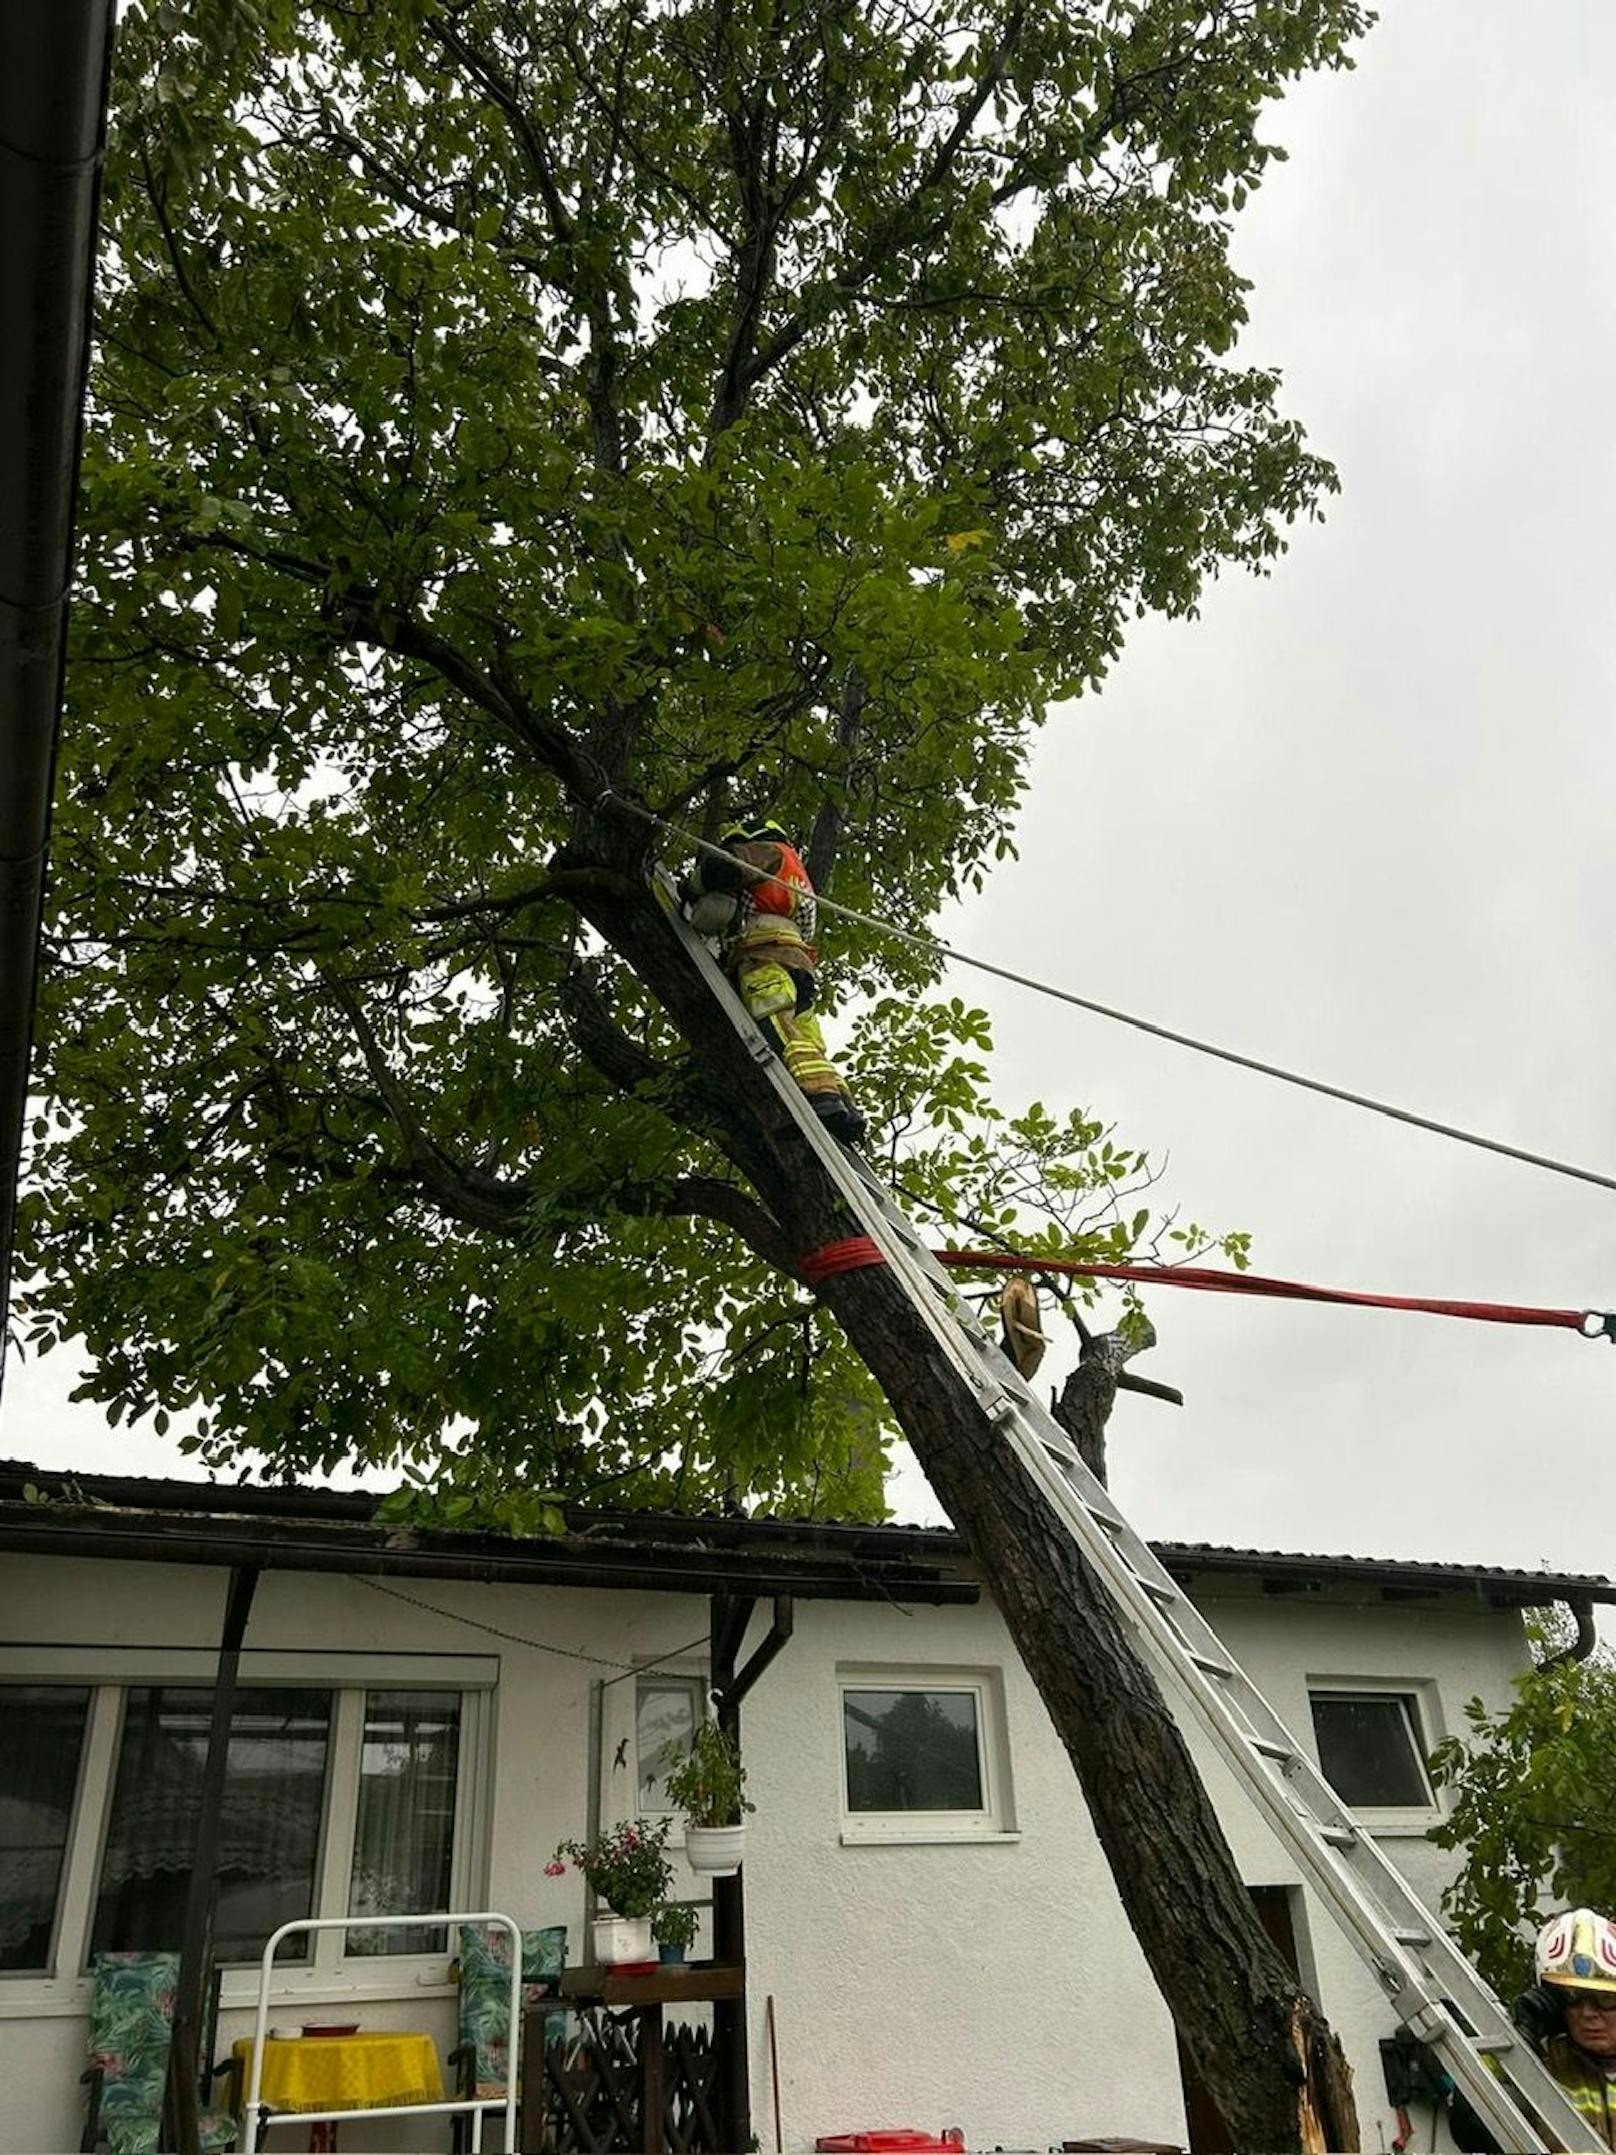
[269, 1824]
[912, 1751]
[39, 1776]
[1367, 1747]
[404, 1843]
[664, 1714]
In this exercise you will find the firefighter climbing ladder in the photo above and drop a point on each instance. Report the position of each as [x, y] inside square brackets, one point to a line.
[1430, 1986]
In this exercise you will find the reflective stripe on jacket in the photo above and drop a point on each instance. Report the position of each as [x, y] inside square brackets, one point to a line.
[1587, 2087]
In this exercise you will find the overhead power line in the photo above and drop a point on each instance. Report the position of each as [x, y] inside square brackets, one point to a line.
[935, 947]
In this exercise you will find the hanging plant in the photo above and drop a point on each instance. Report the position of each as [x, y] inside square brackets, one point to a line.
[709, 1782]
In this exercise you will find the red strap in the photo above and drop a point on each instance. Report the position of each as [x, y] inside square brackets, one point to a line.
[1254, 1283]
[836, 1257]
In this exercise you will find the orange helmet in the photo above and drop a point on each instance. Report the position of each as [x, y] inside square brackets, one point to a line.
[1577, 1951]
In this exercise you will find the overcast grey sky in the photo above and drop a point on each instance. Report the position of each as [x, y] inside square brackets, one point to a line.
[1354, 820]
[1357, 820]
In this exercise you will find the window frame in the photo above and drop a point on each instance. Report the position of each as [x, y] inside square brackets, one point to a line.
[994, 1821]
[1418, 1697]
[330, 1974]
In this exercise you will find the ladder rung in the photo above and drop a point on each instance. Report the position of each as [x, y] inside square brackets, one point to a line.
[1269, 1748]
[1495, 2046]
[1212, 1665]
[1339, 1836]
[1412, 1937]
[1159, 1590]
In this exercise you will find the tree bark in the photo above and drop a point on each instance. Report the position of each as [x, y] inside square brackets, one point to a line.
[1268, 2057]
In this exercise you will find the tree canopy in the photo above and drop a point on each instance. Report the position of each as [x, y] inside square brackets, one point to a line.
[505, 412]
[1532, 1811]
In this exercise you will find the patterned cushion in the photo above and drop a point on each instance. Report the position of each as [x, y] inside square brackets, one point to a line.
[485, 1992]
[139, 2136]
[132, 1999]
[131, 2014]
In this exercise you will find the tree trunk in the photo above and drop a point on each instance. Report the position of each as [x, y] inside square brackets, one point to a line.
[1268, 2058]
[1269, 2061]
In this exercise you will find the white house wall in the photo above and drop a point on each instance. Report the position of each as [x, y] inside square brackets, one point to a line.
[991, 1983]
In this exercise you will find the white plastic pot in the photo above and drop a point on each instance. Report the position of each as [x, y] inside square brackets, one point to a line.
[715, 1851]
[622, 1938]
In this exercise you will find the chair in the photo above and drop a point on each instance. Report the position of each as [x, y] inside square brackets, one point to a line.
[481, 2059]
[131, 2029]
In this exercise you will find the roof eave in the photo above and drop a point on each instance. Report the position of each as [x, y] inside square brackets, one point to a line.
[54, 57]
[650, 1565]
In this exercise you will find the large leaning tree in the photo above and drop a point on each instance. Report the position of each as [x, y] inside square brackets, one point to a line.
[512, 417]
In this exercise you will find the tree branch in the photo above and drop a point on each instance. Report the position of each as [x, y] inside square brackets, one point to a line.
[466, 1194]
[898, 235]
[706, 1197]
[530, 140]
[826, 837]
[1084, 1404]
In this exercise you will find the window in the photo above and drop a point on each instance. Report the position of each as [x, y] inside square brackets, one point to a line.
[355, 1785]
[1371, 1750]
[39, 1777]
[921, 1758]
[404, 1843]
[269, 1822]
[666, 1711]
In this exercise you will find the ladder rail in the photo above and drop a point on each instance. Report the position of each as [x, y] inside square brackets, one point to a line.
[1429, 1985]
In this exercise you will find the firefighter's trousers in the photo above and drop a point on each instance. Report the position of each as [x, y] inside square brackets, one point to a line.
[769, 992]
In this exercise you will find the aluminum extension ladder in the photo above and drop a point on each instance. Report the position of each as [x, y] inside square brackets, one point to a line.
[1430, 1986]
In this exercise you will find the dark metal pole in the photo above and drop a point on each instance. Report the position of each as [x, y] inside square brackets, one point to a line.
[728, 1628]
[185, 2051]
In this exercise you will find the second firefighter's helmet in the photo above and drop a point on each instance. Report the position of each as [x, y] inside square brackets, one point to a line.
[1577, 1951]
[755, 830]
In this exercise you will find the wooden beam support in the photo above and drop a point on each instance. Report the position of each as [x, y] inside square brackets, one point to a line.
[779, 1632]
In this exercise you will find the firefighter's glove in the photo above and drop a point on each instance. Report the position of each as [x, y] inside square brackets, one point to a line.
[1539, 2013]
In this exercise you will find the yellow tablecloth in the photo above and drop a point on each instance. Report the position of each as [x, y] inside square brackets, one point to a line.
[344, 2072]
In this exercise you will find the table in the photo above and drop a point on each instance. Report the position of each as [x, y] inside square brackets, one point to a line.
[343, 2072]
[689, 1983]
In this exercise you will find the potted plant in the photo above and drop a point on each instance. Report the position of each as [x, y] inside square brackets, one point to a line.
[674, 1929]
[709, 1786]
[627, 1869]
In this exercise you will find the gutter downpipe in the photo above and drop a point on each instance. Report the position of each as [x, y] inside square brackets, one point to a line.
[55, 58]
[1583, 1644]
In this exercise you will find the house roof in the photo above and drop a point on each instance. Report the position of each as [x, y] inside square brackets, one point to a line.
[299, 1528]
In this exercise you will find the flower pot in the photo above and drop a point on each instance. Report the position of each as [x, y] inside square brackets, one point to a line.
[671, 1956]
[716, 1851]
[621, 1938]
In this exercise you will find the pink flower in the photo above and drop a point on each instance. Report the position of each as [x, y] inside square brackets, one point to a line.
[555, 1870]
